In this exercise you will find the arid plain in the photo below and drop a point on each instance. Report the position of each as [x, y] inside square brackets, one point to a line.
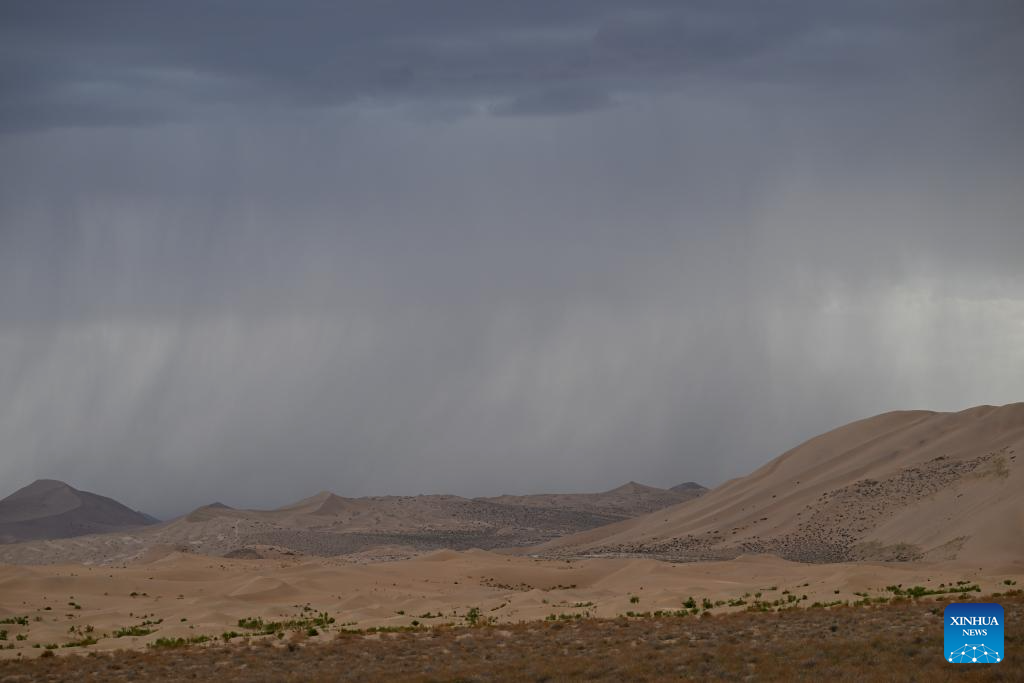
[903, 506]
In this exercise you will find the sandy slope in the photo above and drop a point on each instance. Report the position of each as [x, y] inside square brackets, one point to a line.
[206, 596]
[898, 486]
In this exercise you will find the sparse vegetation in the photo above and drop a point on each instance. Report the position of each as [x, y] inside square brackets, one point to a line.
[841, 644]
[174, 643]
[261, 627]
[961, 587]
[132, 631]
[84, 642]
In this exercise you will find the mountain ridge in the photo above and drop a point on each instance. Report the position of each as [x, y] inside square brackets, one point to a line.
[327, 524]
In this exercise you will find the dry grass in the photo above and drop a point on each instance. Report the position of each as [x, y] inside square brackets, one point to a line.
[891, 642]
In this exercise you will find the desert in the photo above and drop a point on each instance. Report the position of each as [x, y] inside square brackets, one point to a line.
[461, 341]
[848, 523]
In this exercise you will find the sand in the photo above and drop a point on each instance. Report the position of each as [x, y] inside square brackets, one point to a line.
[914, 498]
[908, 485]
[188, 595]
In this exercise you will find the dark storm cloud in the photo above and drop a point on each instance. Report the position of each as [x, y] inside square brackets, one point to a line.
[114, 63]
[253, 250]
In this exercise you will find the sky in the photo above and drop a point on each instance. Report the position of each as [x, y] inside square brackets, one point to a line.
[254, 250]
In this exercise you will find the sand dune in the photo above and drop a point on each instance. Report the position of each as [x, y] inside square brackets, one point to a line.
[901, 499]
[899, 486]
[184, 595]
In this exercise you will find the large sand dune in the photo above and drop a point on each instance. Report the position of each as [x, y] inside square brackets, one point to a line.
[911, 485]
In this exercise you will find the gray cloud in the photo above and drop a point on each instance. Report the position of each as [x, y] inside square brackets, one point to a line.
[116, 63]
[249, 253]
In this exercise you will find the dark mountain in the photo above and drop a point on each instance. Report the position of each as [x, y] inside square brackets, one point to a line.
[690, 487]
[52, 509]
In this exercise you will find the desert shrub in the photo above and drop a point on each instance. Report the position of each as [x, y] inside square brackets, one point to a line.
[174, 643]
[84, 642]
[132, 631]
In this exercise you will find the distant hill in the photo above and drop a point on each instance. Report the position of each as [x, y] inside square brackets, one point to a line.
[901, 486]
[690, 487]
[629, 500]
[49, 509]
[329, 525]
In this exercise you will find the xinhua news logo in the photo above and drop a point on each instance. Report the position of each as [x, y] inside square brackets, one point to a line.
[974, 633]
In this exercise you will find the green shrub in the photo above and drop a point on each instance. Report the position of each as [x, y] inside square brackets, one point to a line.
[84, 642]
[174, 643]
[132, 631]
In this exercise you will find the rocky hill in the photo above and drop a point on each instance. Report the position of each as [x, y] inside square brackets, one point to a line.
[50, 509]
[628, 500]
[382, 526]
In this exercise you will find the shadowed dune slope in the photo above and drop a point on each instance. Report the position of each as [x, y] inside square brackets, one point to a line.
[907, 485]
